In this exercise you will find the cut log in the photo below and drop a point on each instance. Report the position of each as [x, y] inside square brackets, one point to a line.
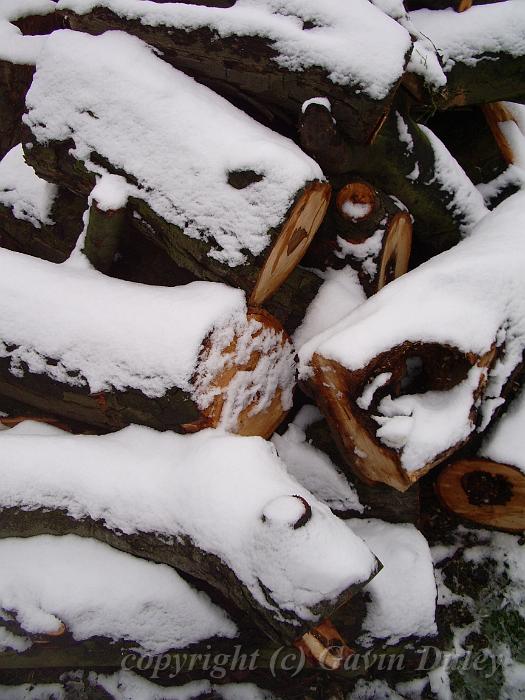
[368, 230]
[281, 67]
[407, 160]
[481, 54]
[105, 359]
[104, 233]
[35, 217]
[500, 119]
[485, 492]
[173, 516]
[325, 646]
[421, 353]
[239, 215]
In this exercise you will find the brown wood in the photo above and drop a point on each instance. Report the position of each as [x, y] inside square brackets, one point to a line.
[357, 193]
[324, 646]
[497, 113]
[336, 390]
[395, 250]
[485, 492]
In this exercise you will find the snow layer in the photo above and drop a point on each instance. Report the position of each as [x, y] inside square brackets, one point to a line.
[14, 47]
[29, 197]
[403, 594]
[176, 138]
[506, 442]
[313, 468]
[469, 297]
[95, 590]
[353, 41]
[463, 37]
[211, 487]
[114, 333]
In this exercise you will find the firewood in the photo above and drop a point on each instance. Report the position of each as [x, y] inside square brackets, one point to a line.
[178, 519]
[497, 114]
[197, 376]
[485, 492]
[224, 213]
[35, 217]
[236, 59]
[325, 646]
[104, 233]
[368, 230]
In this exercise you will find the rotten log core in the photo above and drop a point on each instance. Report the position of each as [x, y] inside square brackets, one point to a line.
[485, 492]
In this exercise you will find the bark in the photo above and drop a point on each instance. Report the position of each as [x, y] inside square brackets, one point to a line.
[53, 242]
[104, 234]
[175, 410]
[14, 83]
[336, 391]
[243, 65]
[259, 277]
[181, 553]
[485, 492]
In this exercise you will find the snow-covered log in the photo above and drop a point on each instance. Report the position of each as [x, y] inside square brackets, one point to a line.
[482, 54]
[490, 489]
[405, 378]
[368, 230]
[227, 198]
[105, 352]
[17, 59]
[408, 161]
[219, 507]
[36, 217]
[264, 55]
[78, 585]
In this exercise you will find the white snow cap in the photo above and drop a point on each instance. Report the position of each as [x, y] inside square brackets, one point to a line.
[211, 487]
[95, 590]
[403, 594]
[506, 442]
[14, 46]
[179, 140]
[28, 196]
[353, 41]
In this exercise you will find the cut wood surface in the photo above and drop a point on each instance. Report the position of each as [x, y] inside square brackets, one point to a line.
[240, 215]
[176, 516]
[485, 492]
[211, 361]
[274, 58]
[500, 119]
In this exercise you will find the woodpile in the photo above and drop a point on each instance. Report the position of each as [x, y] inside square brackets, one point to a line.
[213, 215]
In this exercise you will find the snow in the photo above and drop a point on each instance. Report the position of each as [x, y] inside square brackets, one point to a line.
[14, 47]
[176, 139]
[340, 293]
[505, 443]
[356, 210]
[211, 487]
[354, 42]
[312, 468]
[404, 134]
[110, 193]
[463, 37]
[403, 594]
[453, 300]
[29, 197]
[370, 389]
[116, 334]
[322, 101]
[97, 591]
[366, 252]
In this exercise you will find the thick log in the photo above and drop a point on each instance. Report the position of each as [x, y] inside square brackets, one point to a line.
[104, 233]
[406, 160]
[368, 230]
[221, 384]
[500, 119]
[485, 492]
[221, 212]
[189, 530]
[236, 60]
[35, 217]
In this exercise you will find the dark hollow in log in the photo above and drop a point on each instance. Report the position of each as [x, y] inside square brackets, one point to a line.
[485, 492]
[336, 391]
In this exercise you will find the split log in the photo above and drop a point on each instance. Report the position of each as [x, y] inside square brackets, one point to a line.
[175, 517]
[239, 60]
[35, 217]
[502, 123]
[105, 359]
[487, 493]
[244, 216]
[368, 230]
[381, 390]
[484, 64]
[407, 160]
